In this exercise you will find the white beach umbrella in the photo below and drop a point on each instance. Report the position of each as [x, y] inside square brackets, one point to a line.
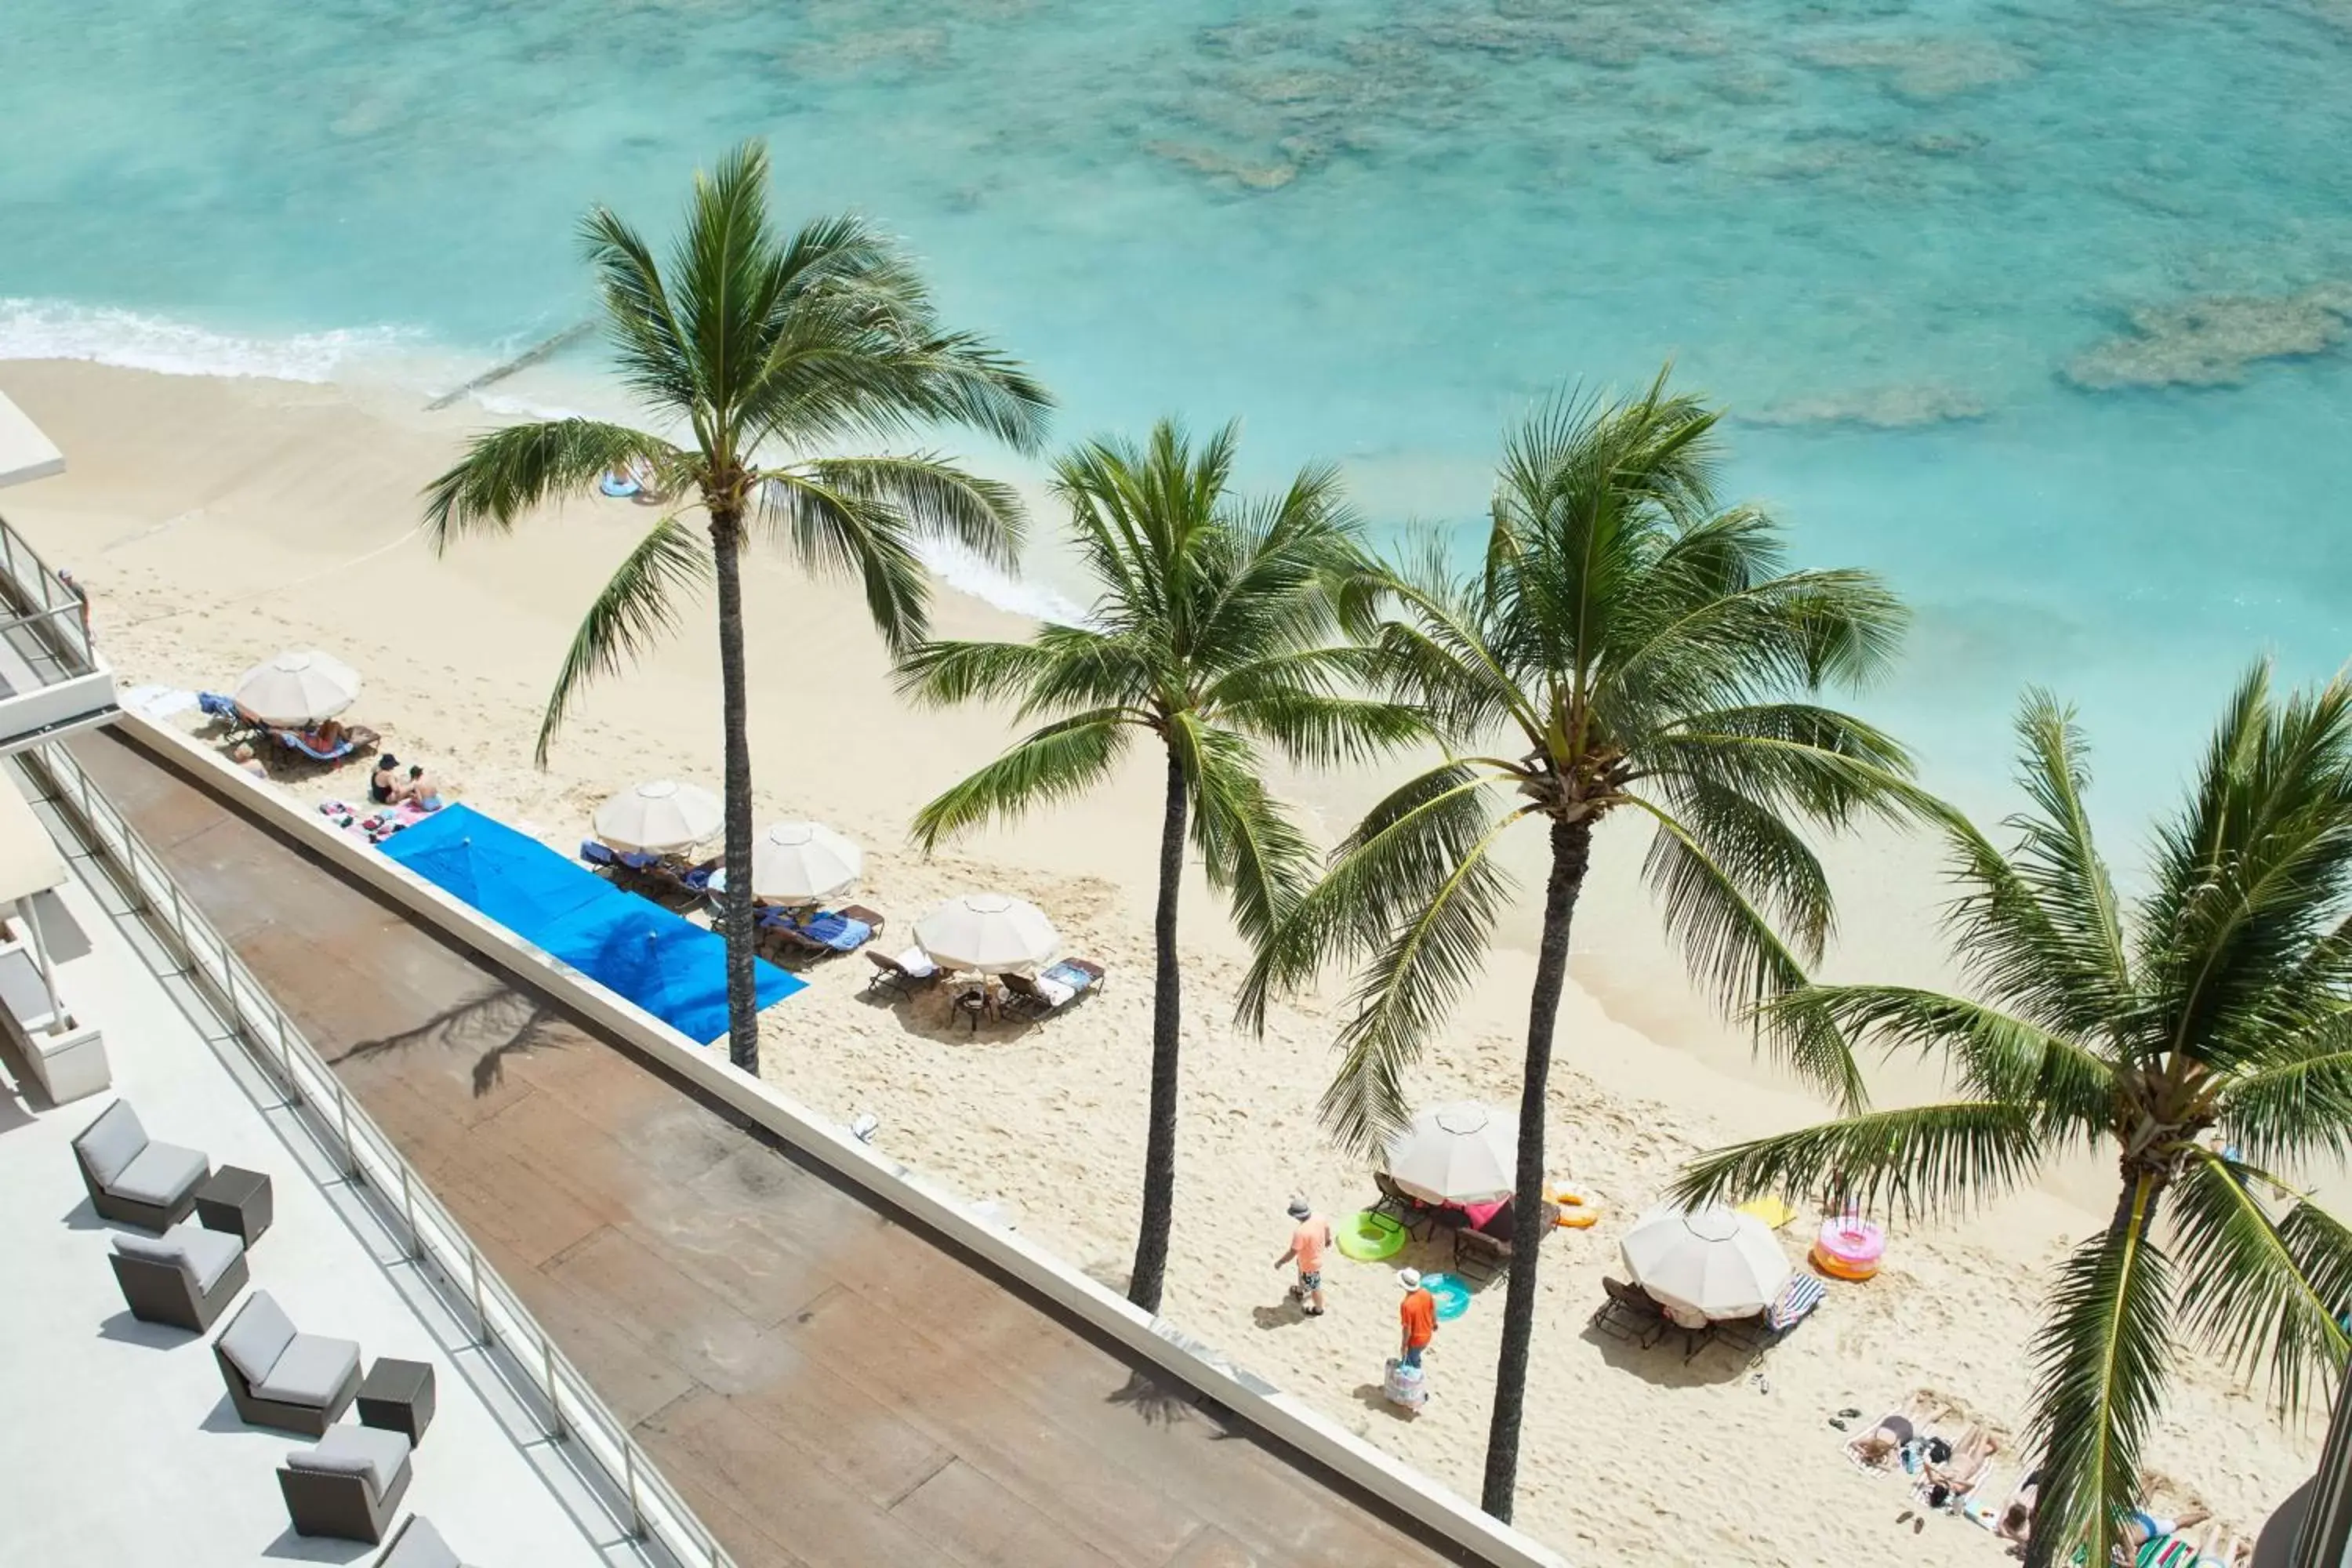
[805, 863]
[988, 932]
[1711, 1263]
[659, 814]
[299, 686]
[1458, 1153]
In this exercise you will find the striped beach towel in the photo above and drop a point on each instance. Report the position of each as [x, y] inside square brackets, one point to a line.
[1799, 1296]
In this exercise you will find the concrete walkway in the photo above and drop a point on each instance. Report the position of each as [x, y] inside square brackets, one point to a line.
[119, 1449]
[826, 1386]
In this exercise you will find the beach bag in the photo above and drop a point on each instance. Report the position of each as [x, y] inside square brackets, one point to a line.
[1403, 1385]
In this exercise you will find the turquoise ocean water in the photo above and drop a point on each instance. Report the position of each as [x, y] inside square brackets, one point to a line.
[1904, 241]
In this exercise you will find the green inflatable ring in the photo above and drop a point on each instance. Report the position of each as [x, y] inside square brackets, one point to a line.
[1368, 1238]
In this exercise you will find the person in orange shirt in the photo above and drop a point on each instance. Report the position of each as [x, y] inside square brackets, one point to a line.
[1419, 1317]
[1307, 1243]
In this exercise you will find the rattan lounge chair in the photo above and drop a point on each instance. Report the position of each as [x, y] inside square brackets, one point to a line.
[348, 1485]
[1484, 1252]
[417, 1544]
[133, 1179]
[1630, 1314]
[277, 1377]
[1755, 1336]
[910, 971]
[185, 1277]
[1058, 987]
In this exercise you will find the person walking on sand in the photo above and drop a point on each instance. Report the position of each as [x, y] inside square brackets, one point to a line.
[1312, 1235]
[1418, 1315]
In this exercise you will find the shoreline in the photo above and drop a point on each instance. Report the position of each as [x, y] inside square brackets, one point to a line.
[218, 518]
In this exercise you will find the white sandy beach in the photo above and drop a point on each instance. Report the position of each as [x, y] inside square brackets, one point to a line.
[215, 522]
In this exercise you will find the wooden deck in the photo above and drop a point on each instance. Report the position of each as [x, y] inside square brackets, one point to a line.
[829, 1385]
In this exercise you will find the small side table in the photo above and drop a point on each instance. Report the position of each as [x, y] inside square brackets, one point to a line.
[235, 1201]
[397, 1396]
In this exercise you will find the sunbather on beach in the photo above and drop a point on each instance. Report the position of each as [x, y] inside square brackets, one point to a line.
[1950, 1478]
[383, 784]
[422, 789]
[324, 736]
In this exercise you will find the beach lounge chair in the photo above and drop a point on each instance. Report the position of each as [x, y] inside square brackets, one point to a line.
[417, 1544]
[1795, 1303]
[278, 1377]
[599, 855]
[356, 738]
[134, 1180]
[910, 971]
[225, 710]
[1628, 1313]
[184, 1277]
[347, 1485]
[1483, 1252]
[1051, 991]
[1418, 1218]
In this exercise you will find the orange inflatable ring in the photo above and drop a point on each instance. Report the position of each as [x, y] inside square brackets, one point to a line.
[1577, 1212]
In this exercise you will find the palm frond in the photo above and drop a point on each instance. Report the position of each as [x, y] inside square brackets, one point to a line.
[1417, 976]
[937, 499]
[1254, 853]
[2243, 1287]
[1406, 848]
[1059, 761]
[637, 608]
[941, 674]
[1920, 1159]
[840, 533]
[640, 322]
[2100, 1365]
[2072, 1089]
[2254, 873]
[1721, 868]
[2297, 1103]
[508, 472]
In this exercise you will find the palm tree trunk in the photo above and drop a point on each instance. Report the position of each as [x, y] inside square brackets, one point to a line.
[2135, 1207]
[735, 905]
[1151, 1271]
[1572, 853]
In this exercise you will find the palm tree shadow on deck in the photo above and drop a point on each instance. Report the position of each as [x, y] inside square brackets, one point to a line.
[1160, 1404]
[495, 1025]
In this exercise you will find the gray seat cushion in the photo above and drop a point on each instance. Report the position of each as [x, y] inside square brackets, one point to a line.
[160, 1174]
[362, 1451]
[308, 1370]
[202, 1254]
[111, 1143]
[419, 1545]
[257, 1336]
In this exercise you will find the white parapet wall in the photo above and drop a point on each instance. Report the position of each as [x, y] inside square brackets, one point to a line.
[1209, 1373]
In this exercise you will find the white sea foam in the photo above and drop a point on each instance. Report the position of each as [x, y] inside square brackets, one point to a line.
[52, 329]
[968, 573]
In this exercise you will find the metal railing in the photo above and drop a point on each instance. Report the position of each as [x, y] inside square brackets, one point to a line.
[46, 608]
[644, 1502]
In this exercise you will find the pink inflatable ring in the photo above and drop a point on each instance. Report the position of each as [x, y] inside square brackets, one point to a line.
[1849, 1248]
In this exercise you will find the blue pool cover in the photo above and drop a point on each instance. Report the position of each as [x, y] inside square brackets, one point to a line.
[669, 966]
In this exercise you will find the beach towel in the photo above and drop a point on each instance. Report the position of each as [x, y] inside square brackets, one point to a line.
[1799, 1297]
[1774, 1212]
[837, 931]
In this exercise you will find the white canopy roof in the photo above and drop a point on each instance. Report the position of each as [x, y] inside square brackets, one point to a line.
[25, 452]
[29, 862]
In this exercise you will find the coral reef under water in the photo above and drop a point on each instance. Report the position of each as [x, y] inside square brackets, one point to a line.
[2211, 340]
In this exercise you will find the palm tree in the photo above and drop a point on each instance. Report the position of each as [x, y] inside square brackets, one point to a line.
[2201, 1034]
[767, 354]
[1643, 650]
[1212, 629]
